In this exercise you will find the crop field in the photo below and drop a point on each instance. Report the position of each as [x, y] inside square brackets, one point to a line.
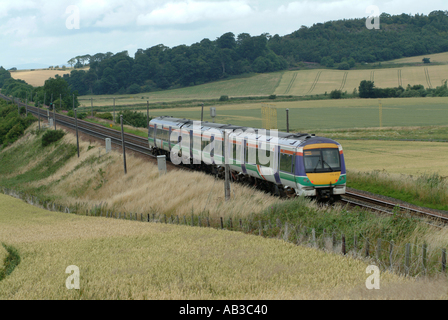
[38, 77]
[258, 85]
[437, 57]
[410, 158]
[133, 260]
[328, 114]
[320, 81]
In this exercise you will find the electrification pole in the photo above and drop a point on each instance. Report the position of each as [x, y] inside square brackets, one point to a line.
[124, 149]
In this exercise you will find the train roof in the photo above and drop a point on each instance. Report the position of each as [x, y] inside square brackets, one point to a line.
[283, 137]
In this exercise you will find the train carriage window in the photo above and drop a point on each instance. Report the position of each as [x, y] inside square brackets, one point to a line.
[151, 132]
[239, 149]
[286, 162]
[266, 154]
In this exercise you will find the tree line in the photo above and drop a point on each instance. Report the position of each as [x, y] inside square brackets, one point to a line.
[334, 44]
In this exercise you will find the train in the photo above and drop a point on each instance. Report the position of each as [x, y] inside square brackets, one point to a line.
[286, 164]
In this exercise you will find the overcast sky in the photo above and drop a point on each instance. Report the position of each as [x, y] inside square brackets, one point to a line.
[46, 32]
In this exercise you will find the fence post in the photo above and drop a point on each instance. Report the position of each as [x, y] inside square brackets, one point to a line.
[424, 257]
[334, 240]
[367, 248]
[407, 258]
[313, 234]
[343, 244]
[443, 260]
[286, 234]
[378, 250]
[324, 234]
[391, 249]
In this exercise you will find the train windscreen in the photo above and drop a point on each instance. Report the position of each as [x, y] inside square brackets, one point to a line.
[322, 160]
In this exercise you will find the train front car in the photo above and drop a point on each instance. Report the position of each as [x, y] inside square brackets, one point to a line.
[321, 169]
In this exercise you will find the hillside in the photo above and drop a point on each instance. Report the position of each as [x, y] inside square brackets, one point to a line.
[335, 44]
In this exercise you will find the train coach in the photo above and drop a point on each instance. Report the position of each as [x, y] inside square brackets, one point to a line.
[288, 164]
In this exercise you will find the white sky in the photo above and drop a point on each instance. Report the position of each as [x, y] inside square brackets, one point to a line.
[35, 31]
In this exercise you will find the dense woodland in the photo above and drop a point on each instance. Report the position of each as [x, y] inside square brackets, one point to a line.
[335, 44]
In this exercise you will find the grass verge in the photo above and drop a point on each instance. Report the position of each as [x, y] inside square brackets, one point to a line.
[426, 190]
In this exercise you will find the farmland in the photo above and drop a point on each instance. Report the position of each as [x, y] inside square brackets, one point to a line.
[38, 77]
[409, 158]
[319, 81]
[328, 114]
[161, 261]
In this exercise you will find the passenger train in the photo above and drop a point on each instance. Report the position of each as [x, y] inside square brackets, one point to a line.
[288, 164]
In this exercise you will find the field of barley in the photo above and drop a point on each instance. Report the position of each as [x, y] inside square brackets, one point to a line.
[408, 158]
[133, 260]
[319, 81]
[37, 77]
[436, 57]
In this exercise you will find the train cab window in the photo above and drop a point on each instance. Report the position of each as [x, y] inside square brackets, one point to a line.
[286, 163]
[322, 160]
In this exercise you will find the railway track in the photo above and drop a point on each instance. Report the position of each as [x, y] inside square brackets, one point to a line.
[132, 142]
[384, 206]
[140, 145]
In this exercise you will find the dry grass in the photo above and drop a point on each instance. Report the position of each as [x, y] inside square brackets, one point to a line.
[92, 180]
[132, 260]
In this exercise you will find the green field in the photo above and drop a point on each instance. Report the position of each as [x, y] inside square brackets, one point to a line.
[257, 85]
[329, 114]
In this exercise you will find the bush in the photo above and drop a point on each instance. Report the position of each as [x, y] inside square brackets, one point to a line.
[106, 116]
[224, 98]
[273, 97]
[51, 136]
[343, 66]
[336, 94]
[133, 118]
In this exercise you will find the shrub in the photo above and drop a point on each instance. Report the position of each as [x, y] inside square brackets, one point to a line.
[133, 118]
[106, 116]
[336, 94]
[51, 136]
[273, 97]
[224, 98]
